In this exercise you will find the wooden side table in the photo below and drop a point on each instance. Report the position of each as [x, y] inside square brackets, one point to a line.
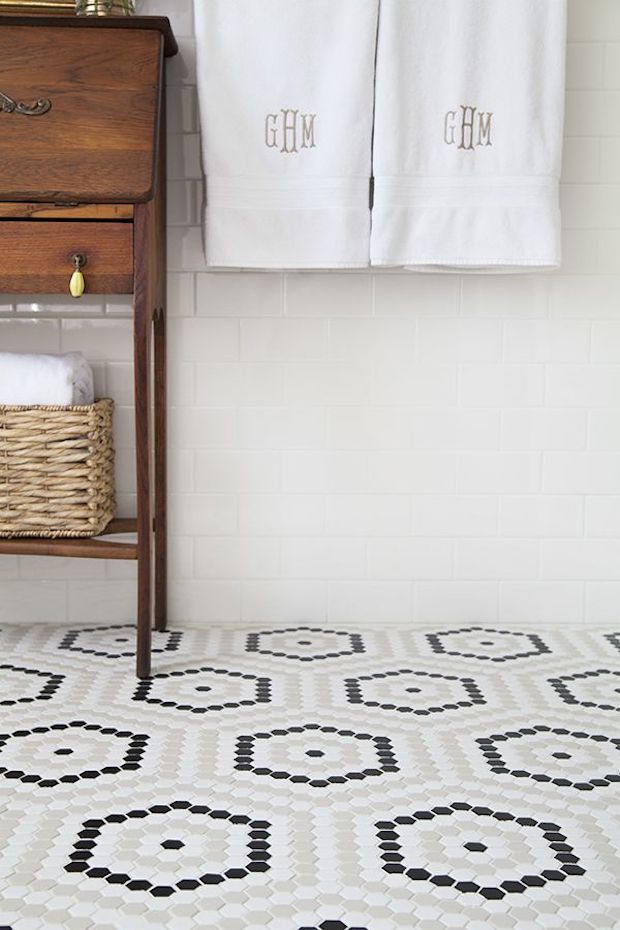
[82, 173]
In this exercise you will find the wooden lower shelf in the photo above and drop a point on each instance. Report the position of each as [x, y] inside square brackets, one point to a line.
[94, 547]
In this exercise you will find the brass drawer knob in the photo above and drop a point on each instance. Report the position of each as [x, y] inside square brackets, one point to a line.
[77, 284]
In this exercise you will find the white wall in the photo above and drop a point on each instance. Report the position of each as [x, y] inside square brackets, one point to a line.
[358, 447]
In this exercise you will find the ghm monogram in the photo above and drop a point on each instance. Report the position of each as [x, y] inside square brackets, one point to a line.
[468, 128]
[289, 131]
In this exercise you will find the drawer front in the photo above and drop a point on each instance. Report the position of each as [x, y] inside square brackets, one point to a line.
[94, 136]
[36, 256]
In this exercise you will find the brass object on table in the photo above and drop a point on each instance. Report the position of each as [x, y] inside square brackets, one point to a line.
[104, 7]
[37, 6]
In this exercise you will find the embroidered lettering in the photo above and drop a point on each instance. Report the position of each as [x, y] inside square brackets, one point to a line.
[468, 128]
[289, 131]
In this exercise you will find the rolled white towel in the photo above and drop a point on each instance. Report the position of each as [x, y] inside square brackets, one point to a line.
[45, 379]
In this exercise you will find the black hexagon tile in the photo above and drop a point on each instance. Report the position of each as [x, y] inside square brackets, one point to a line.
[598, 689]
[477, 642]
[477, 850]
[66, 753]
[409, 691]
[115, 642]
[19, 685]
[171, 847]
[566, 758]
[200, 690]
[306, 644]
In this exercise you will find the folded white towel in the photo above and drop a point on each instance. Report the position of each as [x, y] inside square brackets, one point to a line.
[468, 134]
[286, 99]
[45, 379]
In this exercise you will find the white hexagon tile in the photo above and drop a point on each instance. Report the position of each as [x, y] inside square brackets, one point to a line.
[298, 778]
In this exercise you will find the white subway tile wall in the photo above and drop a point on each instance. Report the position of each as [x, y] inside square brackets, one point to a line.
[358, 447]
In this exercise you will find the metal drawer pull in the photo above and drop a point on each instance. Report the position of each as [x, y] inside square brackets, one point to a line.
[8, 105]
[77, 284]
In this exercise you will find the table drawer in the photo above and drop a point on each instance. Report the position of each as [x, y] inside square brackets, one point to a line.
[78, 113]
[36, 256]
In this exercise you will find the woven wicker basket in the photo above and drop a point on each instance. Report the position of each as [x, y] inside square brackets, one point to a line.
[56, 470]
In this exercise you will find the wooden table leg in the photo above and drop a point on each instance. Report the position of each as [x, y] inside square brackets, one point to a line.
[143, 325]
[161, 556]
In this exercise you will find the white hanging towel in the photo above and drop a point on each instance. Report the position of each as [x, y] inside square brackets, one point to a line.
[45, 379]
[286, 98]
[468, 134]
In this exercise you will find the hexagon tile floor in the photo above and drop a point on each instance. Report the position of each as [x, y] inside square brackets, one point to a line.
[310, 779]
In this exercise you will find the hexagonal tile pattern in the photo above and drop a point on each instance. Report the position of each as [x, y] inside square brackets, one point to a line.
[200, 846]
[307, 644]
[478, 851]
[115, 642]
[598, 689]
[65, 753]
[409, 691]
[294, 777]
[20, 685]
[315, 755]
[477, 642]
[200, 690]
[566, 758]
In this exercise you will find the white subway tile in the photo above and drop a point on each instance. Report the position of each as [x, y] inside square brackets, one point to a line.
[583, 385]
[100, 600]
[238, 471]
[581, 559]
[368, 514]
[52, 568]
[611, 74]
[602, 599]
[581, 473]
[185, 248]
[456, 602]
[321, 557]
[351, 603]
[411, 472]
[181, 69]
[203, 428]
[594, 21]
[415, 385]
[222, 384]
[454, 515]
[505, 295]
[455, 429]
[333, 295]
[182, 203]
[290, 602]
[180, 294]
[201, 340]
[102, 340]
[281, 428]
[606, 341]
[499, 559]
[385, 341]
[203, 514]
[584, 65]
[183, 156]
[590, 206]
[182, 110]
[328, 383]
[592, 113]
[29, 335]
[222, 557]
[582, 252]
[240, 294]
[33, 601]
[546, 341]
[205, 602]
[604, 430]
[543, 429]
[582, 297]
[603, 516]
[283, 340]
[315, 472]
[541, 601]
[281, 514]
[463, 340]
[541, 515]
[498, 473]
[409, 559]
[501, 385]
[180, 15]
[366, 427]
[416, 295]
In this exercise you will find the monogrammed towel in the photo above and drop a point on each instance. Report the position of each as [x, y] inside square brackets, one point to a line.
[286, 101]
[468, 134]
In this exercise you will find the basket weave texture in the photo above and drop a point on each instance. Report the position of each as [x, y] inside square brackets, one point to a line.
[56, 470]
